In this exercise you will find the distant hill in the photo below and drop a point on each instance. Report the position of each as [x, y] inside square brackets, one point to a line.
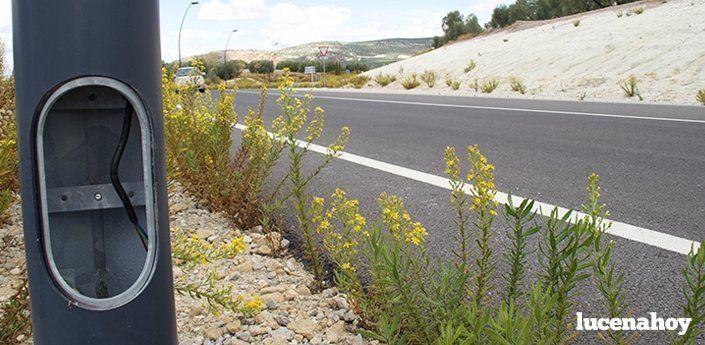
[374, 53]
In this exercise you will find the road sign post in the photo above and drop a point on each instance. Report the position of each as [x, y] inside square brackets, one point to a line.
[310, 70]
[92, 171]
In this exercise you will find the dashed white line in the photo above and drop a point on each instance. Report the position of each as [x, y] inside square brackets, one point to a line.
[631, 232]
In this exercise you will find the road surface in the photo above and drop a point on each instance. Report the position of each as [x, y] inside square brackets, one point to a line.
[651, 159]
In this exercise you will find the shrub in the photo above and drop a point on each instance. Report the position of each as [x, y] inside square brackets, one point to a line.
[629, 86]
[576, 23]
[620, 14]
[429, 77]
[517, 85]
[471, 66]
[489, 86]
[452, 83]
[410, 82]
[385, 79]
[638, 10]
[410, 298]
[700, 97]
[475, 85]
[359, 81]
[694, 293]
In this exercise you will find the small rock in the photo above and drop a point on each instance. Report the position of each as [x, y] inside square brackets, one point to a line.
[264, 250]
[303, 290]
[204, 233]
[245, 267]
[257, 330]
[284, 243]
[335, 332]
[305, 327]
[233, 327]
[329, 292]
[290, 295]
[282, 320]
[244, 335]
[15, 271]
[214, 333]
[275, 297]
[340, 303]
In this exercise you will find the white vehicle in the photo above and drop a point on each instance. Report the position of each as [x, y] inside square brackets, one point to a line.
[189, 76]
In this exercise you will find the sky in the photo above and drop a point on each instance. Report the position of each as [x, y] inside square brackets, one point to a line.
[274, 24]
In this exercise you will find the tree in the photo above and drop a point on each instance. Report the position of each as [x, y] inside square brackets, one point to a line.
[261, 66]
[228, 70]
[455, 25]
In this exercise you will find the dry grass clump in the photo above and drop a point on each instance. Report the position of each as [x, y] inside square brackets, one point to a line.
[488, 86]
[700, 97]
[517, 85]
[410, 82]
[385, 79]
[630, 87]
[429, 77]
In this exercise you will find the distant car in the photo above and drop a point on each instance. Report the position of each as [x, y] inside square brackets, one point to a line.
[189, 76]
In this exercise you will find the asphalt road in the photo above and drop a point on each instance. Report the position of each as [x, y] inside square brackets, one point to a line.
[651, 160]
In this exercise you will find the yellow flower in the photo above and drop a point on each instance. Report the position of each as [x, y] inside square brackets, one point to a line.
[255, 304]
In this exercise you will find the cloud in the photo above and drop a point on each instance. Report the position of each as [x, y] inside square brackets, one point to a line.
[6, 32]
[218, 10]
[483, 10]
[290, 24]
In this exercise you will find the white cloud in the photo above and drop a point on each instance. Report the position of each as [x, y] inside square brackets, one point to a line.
[483, 10]
[289, 24]
[218, 10]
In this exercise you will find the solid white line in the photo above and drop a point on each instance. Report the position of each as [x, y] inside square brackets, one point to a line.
[523, 110]
[619, 229]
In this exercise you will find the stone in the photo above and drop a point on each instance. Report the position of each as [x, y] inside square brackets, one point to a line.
[305, 327]
[214, 333]
[233, 326]
[284, 243]
[303, 290]
[275, 297]
[340, 303]
[282, 320]
[245, 267]
[244, 335]
[15, 271]
[330, 292]
[204, 233]
[336, 332]
[264, 250]
[290, 295]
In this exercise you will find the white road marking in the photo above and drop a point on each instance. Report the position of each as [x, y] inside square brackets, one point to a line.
[623, 230]
[523, 110]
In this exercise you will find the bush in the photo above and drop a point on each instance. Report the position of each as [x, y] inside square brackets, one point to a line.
[630, 87]
[228, 70]
[576, 23]
[385, 79]
[409, 298]
[489, 86]
[638, 10]
[429, 77]
[410, 82]
[261, 66]
[700, 97]
[471, 66]
[517, 85]
[452, 83]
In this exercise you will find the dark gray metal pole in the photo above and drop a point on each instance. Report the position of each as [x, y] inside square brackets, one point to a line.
[88, 83]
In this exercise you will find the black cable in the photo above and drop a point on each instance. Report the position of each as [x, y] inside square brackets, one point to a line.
[115, 165]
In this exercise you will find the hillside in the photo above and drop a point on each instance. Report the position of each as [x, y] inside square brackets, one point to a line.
[374, 53]
[584, 56]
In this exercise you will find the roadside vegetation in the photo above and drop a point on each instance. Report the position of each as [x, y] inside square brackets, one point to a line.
[410, 82]
[488, 86]
[385, 79]
[517, 85]
[452, 83]
[429, 78]
[471, 66]
[700, 97]
[630, 87]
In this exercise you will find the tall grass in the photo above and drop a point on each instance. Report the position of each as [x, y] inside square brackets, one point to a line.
[700, 96]
[384, 79]
[488, 86]
[517, 85]
[429, 78]
[410, 82]
[630, 87]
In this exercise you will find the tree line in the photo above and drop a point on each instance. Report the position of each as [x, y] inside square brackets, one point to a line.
[455, 24]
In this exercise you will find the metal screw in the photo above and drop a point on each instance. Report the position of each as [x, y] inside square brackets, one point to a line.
[97, 196]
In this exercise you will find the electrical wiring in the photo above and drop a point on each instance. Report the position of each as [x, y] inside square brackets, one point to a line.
[115, 178]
